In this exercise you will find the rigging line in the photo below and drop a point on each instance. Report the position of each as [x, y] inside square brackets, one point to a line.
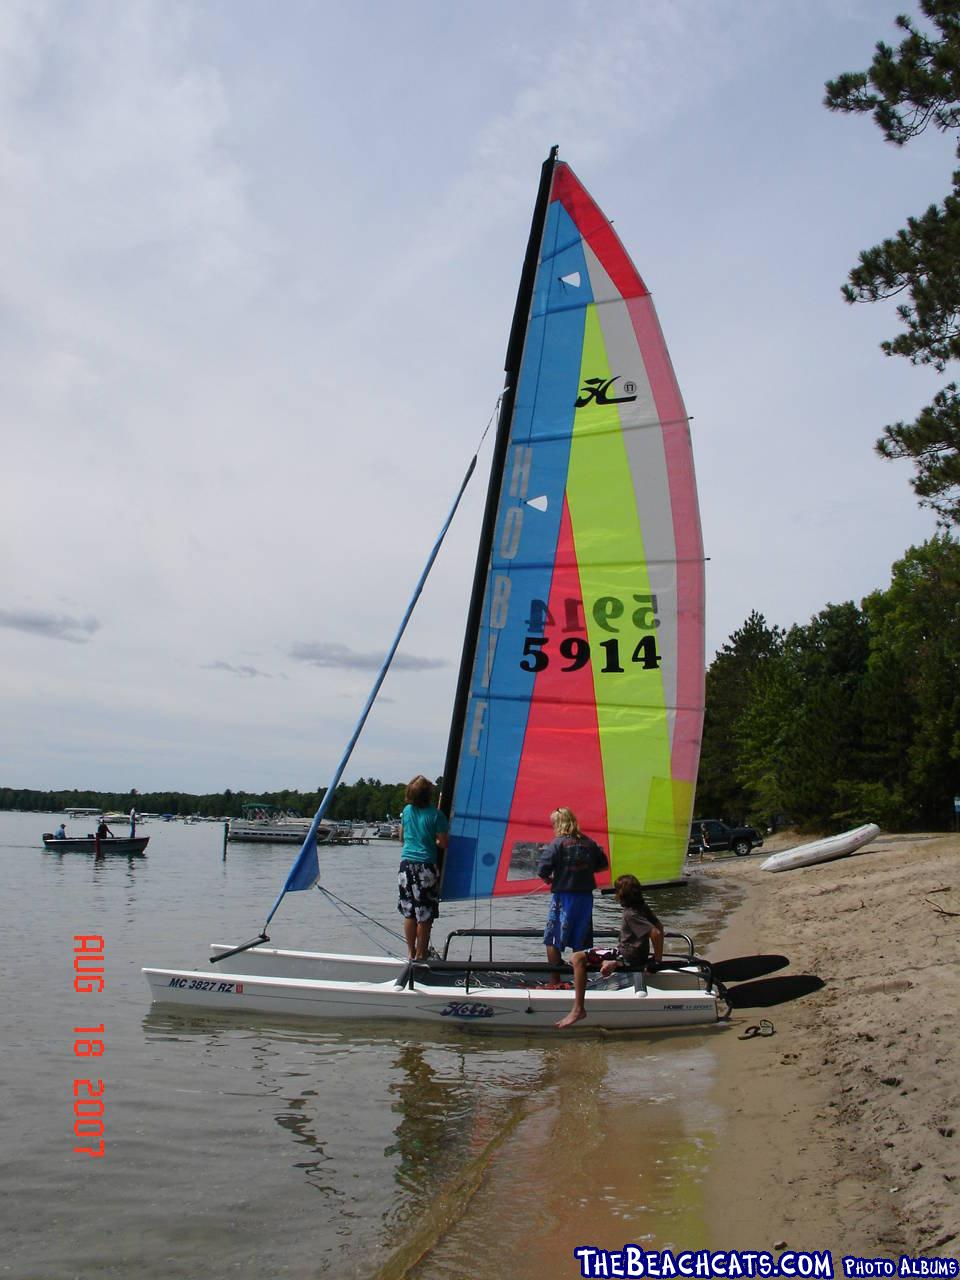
[344, 903]
[305, 869]
[339, 904]
[491, 419]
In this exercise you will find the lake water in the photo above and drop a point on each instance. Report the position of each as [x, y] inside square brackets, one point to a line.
[281, 1149]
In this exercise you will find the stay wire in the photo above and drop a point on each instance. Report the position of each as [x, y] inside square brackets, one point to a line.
[340, 903]
[492, 420]
[308, 848]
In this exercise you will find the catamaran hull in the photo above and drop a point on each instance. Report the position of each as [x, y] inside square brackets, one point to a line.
[371, 994]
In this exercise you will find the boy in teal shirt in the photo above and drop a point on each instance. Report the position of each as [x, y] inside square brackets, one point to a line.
[423, 829]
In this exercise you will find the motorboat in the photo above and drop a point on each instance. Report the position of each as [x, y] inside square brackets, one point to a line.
[95, 844]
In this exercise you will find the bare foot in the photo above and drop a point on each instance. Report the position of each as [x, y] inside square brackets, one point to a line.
[573, 1016]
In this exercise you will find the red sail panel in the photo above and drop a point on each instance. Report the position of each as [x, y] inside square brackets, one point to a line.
[561, 762]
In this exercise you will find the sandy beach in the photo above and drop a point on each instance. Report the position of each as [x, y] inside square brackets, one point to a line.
[836, 1132]
[842, 1130]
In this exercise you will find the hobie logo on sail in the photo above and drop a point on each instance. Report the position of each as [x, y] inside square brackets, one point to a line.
[596, 389]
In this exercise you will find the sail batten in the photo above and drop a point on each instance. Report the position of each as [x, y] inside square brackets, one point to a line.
[582, 682]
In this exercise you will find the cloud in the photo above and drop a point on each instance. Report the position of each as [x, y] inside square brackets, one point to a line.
[585, 91]
[54, 626]
[245, 672]
[343, 658]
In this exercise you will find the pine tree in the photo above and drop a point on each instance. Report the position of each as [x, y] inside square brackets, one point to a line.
[908, 90]
[730, 681]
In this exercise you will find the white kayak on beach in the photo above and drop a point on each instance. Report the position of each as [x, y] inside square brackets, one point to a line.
[803, 855]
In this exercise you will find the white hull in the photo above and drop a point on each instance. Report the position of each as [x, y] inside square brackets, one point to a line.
[804, 855]
[321, 985]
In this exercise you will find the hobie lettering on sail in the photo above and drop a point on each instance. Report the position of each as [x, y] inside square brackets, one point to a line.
[582, 682]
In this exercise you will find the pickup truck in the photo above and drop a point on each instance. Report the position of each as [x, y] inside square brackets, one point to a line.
[720, 836]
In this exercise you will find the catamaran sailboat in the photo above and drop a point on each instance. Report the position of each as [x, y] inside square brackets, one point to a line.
[581, 680]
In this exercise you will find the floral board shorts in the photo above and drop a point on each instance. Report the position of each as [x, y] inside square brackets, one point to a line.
[419, 884]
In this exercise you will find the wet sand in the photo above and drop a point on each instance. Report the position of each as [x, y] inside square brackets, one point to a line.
[842, 1130]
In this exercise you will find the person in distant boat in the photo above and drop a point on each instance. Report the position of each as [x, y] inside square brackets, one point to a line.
[639, 930]
[568, 864]
[61, 832]
[103, 830]
[423, 831]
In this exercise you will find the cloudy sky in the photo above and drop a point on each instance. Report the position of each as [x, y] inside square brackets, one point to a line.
[258, 266]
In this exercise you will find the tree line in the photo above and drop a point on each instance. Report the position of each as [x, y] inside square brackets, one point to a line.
[854, 717]
[367, 799]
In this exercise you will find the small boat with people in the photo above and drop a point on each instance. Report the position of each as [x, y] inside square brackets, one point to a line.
[98, 842]
[95, 844]
[581, 672]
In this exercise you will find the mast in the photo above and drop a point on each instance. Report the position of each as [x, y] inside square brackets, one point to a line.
[515, 345]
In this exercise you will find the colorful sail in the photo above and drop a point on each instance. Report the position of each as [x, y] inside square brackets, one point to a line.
[583, 668]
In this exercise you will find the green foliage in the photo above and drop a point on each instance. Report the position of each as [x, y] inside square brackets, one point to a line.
[913, 86]
[907, 90]
[861, 802]
[854, 717]
[759, 733]
[916, 638]
[801, 730]
[730, 682]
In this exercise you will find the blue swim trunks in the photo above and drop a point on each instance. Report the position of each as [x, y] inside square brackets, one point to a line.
[570, 922]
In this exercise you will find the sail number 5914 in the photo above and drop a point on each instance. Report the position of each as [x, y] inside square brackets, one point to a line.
[575, 650]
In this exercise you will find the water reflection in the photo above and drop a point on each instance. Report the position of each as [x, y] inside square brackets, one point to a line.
[300, 1121]
[392, 1130]
[100, 857]
[430, 1108]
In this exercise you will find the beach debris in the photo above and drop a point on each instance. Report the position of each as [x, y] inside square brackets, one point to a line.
[937, 907]
[763, 1028]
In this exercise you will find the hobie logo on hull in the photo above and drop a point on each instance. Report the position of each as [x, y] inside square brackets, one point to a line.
[596, 389]
[458, 1009]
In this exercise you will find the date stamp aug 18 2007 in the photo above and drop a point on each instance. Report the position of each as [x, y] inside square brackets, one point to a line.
[88, 1043]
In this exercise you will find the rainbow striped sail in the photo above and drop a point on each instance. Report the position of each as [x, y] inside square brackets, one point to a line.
[582, 675]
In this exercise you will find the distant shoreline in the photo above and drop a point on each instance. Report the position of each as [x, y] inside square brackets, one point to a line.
[367, 800]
